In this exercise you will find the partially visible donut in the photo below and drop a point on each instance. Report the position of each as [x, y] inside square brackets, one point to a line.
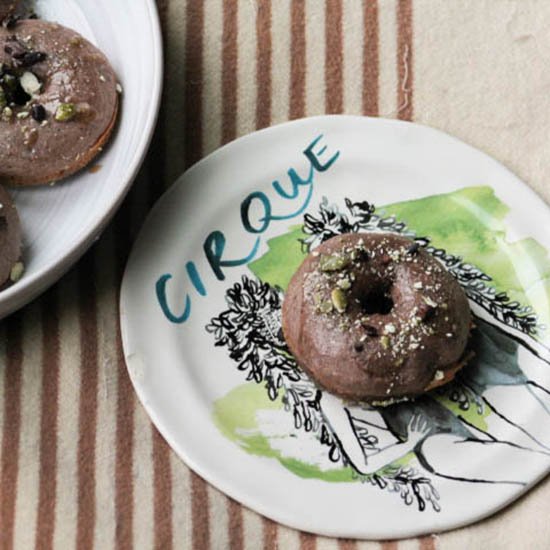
[374, 317]
[58, 102]
[11, 268]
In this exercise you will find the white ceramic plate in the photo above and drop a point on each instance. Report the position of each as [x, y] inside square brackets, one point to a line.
[211, 265]
[61, 222]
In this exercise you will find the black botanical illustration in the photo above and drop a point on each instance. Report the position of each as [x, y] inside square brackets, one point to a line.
[361, 216]
[250, 329]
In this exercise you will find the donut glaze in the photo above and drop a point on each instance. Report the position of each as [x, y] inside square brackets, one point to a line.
[373, 316]
[10, 238]
[50, 132]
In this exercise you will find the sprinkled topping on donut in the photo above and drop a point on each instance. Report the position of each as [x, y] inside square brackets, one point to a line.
[58, 102]
[372, 315]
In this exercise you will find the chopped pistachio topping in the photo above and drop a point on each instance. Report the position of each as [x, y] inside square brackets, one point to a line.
[339, 300]
[385, 341]
[7, 113]
[3, 100]
[325, 306]
[344, 284]
[334, 262]
[65, 112]
[17, 272]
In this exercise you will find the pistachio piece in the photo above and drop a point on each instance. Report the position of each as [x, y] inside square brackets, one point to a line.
[334, 262]
[17, 272]
[30, 83]
[65, 112]
[339, 300]
[385, 341]
[7, 113]
[3, 100]
[325, 306]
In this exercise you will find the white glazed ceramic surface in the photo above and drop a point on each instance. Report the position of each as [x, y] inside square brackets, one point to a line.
[61, 222]
[210, 267]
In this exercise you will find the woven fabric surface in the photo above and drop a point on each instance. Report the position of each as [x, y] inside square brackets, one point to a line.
[81, 465]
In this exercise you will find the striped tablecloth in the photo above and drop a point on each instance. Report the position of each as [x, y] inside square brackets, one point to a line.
[81, 465]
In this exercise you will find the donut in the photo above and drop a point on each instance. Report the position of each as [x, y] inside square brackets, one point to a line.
[374, 317]
[58, 102]
[11, 268]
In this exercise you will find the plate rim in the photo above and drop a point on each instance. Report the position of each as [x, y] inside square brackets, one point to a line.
[250, 500]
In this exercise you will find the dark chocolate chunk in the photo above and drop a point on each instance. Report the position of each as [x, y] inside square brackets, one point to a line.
[10, 21]
[362, 255]
[413, 248]
[426, 312]
[38, 112]
[358, 347]
[15, 49]
[371, 330]
[12, 89]
[31, 58]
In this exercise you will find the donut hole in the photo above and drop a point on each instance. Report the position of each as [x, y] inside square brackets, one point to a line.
[378, 300]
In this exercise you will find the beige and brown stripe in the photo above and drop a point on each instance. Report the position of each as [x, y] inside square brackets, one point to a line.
[81, 466]
[48, 423]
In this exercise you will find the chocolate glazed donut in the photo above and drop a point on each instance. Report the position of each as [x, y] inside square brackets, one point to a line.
[11, 268]
[374, 317]
[58, 102]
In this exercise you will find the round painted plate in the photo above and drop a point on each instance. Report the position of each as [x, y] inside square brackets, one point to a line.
[200, 314]
[61, 222]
